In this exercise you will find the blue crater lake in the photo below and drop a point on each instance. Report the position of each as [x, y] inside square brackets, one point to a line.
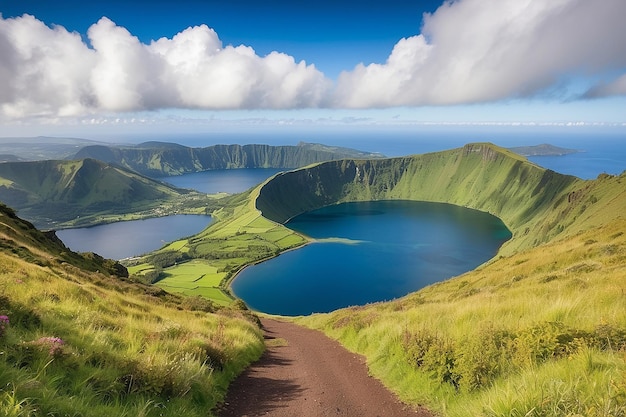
[222, 180]
[125, 239]
[370, 251]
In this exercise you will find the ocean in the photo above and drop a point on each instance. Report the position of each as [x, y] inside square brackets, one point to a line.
[601, 149]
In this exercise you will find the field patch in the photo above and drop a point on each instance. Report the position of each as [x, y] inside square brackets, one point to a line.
[196, 277]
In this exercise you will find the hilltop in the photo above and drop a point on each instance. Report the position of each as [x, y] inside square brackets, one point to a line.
[81, 192]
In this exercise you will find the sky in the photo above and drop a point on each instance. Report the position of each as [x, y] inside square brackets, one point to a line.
[87, 68]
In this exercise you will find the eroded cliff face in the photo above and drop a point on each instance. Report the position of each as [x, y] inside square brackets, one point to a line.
[159, 160]
[480, 176]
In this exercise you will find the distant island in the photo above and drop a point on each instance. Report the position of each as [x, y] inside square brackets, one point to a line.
[544, 149]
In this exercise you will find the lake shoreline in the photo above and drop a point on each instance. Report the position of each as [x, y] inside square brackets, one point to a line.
[411, 244]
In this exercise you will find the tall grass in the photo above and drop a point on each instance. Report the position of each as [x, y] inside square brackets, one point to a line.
[95, 345]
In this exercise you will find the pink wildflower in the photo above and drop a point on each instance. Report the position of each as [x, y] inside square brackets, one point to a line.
[55, 344]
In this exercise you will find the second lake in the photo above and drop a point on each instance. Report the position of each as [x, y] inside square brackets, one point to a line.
[370, 251]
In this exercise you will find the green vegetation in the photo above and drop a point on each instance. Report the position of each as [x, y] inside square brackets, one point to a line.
[76, 340]
[56, 194]
[539, 330]
[158, 159]
[205, 264]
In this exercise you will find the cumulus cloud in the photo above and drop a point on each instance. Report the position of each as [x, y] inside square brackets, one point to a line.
[48, 71]
[468, 51]
[478, 51]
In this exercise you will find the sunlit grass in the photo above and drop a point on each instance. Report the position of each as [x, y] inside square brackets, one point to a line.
[123, 350]
[235, 240]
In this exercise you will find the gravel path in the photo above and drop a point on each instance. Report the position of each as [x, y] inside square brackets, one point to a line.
[303, 373]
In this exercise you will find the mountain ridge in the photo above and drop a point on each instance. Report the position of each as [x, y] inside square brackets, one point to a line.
[482, 176]
[159, 159]
[56, 191]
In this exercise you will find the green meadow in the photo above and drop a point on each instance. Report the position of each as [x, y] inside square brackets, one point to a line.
[204, 264]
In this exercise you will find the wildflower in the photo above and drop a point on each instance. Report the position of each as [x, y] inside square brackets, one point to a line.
[4, 323]
[54, 344]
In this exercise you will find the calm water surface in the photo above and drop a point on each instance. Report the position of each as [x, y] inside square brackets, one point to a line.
[125, 239]
[368, 252]
[222, 180]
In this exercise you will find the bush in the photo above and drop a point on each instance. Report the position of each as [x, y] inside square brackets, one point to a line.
[432, 353]
[546, 341]
[476, 361]
[482, 358]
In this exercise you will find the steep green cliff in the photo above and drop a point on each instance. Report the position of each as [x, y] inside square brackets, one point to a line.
[165, 159]
[535, 203]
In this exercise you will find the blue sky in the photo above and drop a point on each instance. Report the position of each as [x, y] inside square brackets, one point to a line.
[334, 35]
[79, 67]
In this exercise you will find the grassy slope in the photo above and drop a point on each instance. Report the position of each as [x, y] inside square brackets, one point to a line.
[204, 264]
[83, 342]
[80, 192]
[538, 331]
[547, 316]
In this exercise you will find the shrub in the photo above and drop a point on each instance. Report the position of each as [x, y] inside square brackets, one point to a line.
[482, 358]
[52, 345]
[546, 341]
[607, 337]
[433, 353]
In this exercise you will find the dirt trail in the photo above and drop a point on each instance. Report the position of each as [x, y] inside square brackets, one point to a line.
[303, 373]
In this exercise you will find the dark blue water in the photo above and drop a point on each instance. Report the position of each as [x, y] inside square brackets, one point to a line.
[222, 180]
[387, 249]
[125, 239]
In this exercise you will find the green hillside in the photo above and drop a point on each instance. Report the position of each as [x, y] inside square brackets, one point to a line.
[533, 202]
[78, 338]
[60, 193]
[540, 330]
[158, 159]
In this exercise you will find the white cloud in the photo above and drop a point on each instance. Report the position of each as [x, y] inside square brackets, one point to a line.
[468, 51]
[48, 72]
[203, 74]
[481, 50]
[44, 70]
